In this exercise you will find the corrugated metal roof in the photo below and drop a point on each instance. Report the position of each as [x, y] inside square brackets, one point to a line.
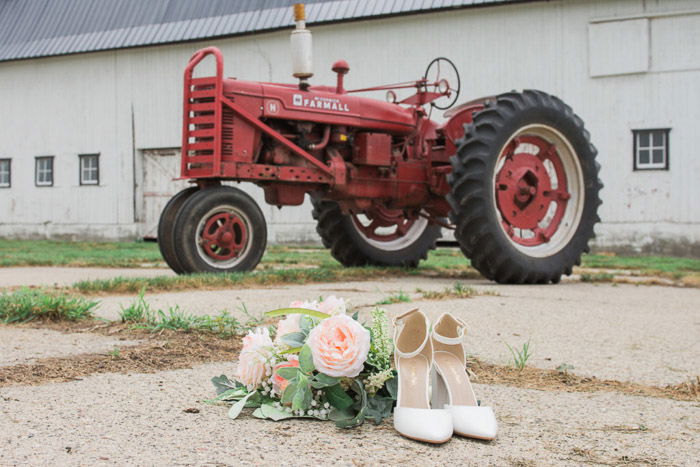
[40, 28]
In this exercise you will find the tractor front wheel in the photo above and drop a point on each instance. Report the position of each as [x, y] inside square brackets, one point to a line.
[525, 186]
[166, 229]
[220, 230]
[380, 237]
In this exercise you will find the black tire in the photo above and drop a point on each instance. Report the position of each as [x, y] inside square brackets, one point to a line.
[166, 232]
[483, 230]
[351, 248]
[204, 206]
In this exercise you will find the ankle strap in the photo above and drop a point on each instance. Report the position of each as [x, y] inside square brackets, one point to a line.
[398, 327]
[461, 331]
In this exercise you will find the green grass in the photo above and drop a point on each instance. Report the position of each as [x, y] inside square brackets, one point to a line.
[649, 264]
[141, 315]
[520, 356]
[35, 305]
[58, 253]
[400, 297]
[597, 277]
[236, 279]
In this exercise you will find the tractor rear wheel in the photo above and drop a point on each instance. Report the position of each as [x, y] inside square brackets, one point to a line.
[166, 231]
[220, 229]
[524, 189]
[382, 237]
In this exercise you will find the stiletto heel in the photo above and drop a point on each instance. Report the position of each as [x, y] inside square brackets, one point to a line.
[452, 389]
[413, 358]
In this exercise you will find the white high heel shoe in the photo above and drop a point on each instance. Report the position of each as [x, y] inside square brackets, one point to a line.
[413, 357]
[452, 389]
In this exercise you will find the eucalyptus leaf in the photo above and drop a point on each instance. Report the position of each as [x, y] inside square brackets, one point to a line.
[289, 391]
[292, 311]
[392, 386]
[257, 413]
[356, 315]
[321, 381]
[337, 397]
[222, 384]
[236, 408]
[230, 395]
[294, 339]
[306, 360]
[274, 413]
[302, 397]
[379, 408]
[288, 372]
[362, 405]
[306, 323]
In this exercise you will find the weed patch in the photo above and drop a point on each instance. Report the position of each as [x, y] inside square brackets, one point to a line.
[140, 315]
[29, 305]
[400, 297]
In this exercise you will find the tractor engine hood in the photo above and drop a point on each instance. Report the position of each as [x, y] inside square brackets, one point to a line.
[321, 104]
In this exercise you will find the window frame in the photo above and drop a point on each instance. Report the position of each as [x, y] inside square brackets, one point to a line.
[9, 172]
[637, 166]
[81, 159]
[36, 171]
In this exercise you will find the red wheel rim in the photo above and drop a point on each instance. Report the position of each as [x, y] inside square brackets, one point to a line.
[381, 220]
[224, 236]
[531, 190]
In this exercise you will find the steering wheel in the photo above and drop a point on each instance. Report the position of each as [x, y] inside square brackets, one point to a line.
[442, 68]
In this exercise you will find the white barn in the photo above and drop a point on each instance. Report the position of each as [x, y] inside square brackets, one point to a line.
[91, 97]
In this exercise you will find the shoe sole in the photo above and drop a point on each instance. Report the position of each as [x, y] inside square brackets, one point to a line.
[474, 437]
[425, 440]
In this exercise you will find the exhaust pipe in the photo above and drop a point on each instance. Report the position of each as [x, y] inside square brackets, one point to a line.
[302, 64]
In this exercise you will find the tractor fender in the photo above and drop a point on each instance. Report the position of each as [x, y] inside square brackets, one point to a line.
[457, 117]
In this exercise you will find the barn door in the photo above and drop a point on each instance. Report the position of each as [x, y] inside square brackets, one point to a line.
[160, 167]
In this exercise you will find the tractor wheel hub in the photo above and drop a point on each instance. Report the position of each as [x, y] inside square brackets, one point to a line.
[521, 187]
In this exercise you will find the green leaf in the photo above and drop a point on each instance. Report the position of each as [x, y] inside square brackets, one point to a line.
[289, 391]
[362, 408]
[288, 372]
[230, 395]
[257, 413]
[392, 386]
[294, 339]
[379, 408]
[323, 381]
[273, 413]
[238, 406]
[306, 360]
[222, 384]
[302, 398]
[306, 323]
[356, 315]
[337, 397]
[292, 311]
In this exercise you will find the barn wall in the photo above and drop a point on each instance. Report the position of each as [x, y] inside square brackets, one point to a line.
[88, 103]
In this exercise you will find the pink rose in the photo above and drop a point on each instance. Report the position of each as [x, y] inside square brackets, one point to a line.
[339, 346]
[279, 384]
[253, 363]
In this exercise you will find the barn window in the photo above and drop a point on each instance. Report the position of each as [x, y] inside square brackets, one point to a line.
[5, 173]
[44, 171]
[89, 169]
[651, 149]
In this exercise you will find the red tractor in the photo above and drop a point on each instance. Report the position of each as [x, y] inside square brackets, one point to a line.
[514, 175]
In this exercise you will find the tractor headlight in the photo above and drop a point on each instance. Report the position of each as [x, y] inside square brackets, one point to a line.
[443, 86]
[391, 97]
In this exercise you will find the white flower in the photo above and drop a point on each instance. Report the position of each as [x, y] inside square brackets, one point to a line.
[253, 362]
[286, 326]
[333, 306]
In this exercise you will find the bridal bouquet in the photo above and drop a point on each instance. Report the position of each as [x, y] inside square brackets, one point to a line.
[318, 362]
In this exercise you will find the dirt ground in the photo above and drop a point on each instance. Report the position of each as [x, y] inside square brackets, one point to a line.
[648, 335]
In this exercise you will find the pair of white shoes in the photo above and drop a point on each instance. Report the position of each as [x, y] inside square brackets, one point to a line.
[422, 355]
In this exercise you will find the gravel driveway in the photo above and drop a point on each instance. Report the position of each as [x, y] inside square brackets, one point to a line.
[644, 334]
